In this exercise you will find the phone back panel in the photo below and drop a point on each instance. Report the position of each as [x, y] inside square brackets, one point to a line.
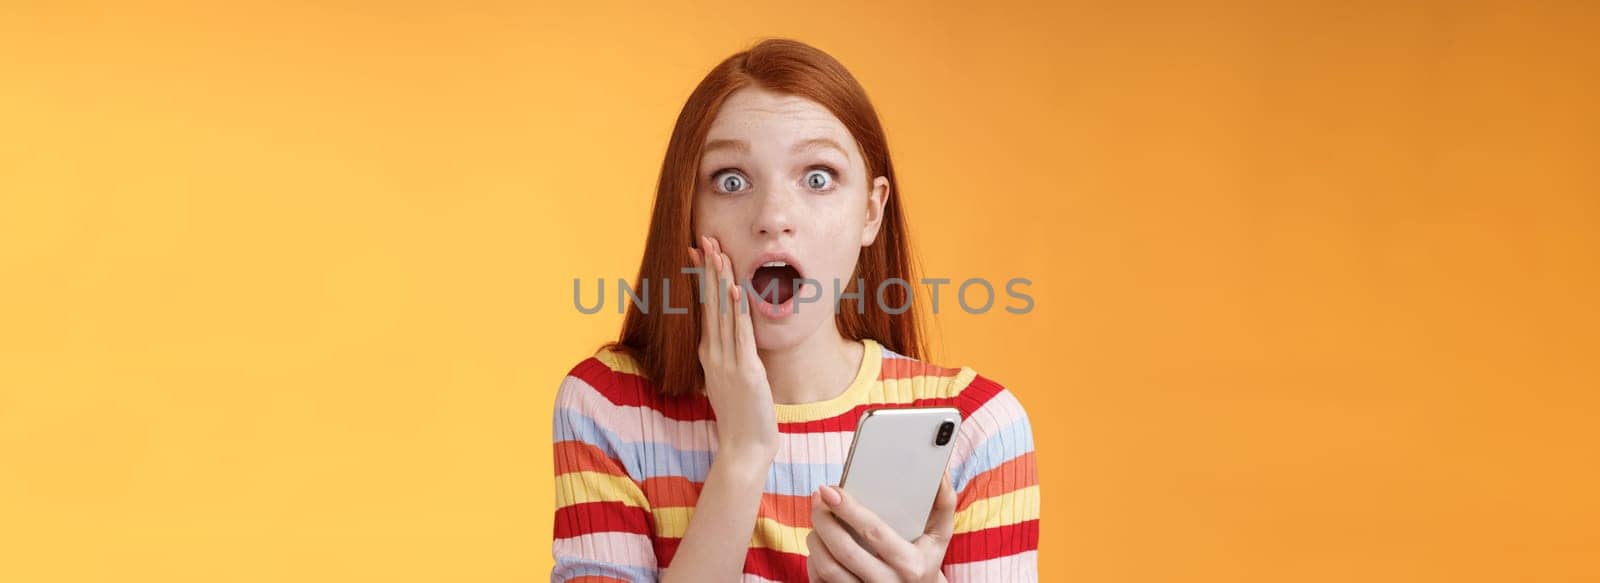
[895, 465]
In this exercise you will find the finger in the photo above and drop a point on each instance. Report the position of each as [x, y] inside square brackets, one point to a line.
[813, 557]
[726, 309]
[875, 534]
[823, 567]
[713, 331]
[942, 519]
[743, 328]
[820, 564]
[844, 549]
[842, 545]
[714, 293]
[708, 299]
[830, 543]
[694, 262]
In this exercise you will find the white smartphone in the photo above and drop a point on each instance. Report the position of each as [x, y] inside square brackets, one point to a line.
[897, 460]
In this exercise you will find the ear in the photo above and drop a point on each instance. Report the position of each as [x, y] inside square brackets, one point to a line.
[876, 199]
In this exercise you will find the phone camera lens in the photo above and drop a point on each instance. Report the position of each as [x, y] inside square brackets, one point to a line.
[946, 429]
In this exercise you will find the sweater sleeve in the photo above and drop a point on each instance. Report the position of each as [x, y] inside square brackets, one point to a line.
[996, 535]
[602, 519]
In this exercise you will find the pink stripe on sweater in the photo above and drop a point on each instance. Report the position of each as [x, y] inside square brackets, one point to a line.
[1001, 410]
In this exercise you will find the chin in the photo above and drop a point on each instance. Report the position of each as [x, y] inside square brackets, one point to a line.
[787, 333]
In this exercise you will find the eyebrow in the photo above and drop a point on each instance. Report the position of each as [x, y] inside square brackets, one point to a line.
[814, 143]
[737, 145]
[743, 146]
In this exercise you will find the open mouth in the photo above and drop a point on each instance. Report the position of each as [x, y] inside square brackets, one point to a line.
[776, 282]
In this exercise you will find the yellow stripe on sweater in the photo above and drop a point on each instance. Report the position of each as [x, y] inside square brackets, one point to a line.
[580, 487]
[1002, 510]
[619, 361]
[1005, 509]
[769, 534]
[923, 386]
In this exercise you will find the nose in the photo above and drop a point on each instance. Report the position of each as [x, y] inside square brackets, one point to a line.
[776, 212]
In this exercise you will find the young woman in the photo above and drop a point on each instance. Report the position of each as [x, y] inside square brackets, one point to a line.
[704, 443]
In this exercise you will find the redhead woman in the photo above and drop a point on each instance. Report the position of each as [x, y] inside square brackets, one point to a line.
[707, 442]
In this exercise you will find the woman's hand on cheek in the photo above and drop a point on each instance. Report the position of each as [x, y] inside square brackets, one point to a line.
[735, 379]
[834, 555]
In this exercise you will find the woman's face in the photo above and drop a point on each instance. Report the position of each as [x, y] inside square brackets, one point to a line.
[781, 179]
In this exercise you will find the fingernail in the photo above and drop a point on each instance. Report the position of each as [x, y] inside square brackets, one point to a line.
[831, 495]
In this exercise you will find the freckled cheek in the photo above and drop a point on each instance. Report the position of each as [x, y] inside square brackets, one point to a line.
[714, 218]
[838, 244]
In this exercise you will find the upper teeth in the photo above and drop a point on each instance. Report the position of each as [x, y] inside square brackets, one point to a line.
[775, 264]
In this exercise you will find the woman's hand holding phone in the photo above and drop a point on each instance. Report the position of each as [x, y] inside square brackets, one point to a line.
[736, 380]
[835, 556]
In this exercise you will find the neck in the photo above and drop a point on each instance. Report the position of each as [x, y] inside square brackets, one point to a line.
[817, 369]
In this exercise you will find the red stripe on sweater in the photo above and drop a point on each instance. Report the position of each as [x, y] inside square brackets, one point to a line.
[678, 491]
[631, 390]
[989, 543]
[775, 565]
[592, 517]
[976, 393]
[761, 562]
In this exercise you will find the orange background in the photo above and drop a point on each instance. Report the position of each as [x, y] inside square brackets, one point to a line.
[287, 290]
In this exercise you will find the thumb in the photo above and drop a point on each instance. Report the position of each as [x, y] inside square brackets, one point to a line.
[942, 519]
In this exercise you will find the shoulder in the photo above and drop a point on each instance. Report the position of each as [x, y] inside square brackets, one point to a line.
[995, 429]
[959, 386]
[994, 449]
[612, 381]
[607, 376]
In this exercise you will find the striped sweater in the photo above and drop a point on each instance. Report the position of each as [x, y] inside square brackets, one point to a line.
[629, 464]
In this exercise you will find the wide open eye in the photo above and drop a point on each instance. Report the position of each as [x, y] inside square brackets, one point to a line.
[730, 181]
[819, 179]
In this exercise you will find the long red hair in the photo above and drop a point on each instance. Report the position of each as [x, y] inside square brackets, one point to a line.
[665, 345]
